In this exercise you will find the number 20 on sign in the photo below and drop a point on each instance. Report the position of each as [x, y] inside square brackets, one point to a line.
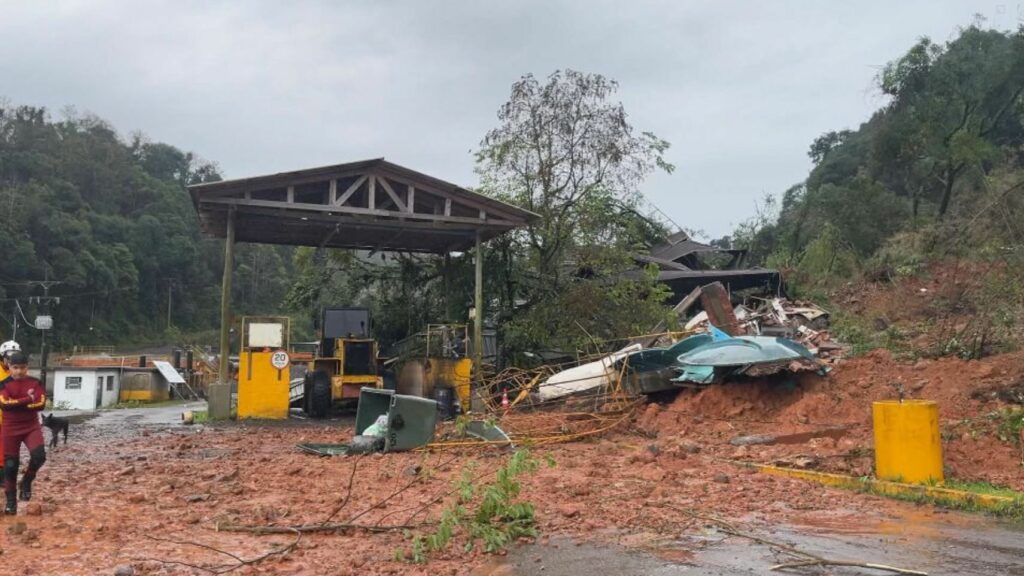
[279, 360]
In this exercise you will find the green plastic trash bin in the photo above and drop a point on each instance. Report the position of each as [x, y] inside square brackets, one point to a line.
[372, 403]
[411, 420]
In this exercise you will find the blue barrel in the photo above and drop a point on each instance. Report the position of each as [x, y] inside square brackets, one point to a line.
[445, 398]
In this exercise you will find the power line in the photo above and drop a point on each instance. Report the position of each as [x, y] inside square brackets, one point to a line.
[660, 211]
[75, 295]
[22, 312]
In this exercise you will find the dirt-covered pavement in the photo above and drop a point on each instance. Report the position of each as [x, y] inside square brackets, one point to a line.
[134, 488]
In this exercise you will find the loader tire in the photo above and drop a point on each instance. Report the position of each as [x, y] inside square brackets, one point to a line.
[320, 399]
[307, 393]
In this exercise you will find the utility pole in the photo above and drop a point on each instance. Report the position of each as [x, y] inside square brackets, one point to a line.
[44, 321]
[169, 286]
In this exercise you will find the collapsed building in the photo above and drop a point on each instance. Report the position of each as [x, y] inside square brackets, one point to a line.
[685, 264]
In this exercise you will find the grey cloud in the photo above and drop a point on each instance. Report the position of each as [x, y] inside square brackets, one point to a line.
[740, 89]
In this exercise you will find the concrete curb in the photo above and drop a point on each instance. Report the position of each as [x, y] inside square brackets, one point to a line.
[939, 494]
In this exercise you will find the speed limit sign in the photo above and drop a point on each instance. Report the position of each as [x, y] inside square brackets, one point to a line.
[279, 359]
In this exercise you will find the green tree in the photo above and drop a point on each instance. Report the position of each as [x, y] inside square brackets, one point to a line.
[562, 149]
[566, 151]
[955, 101]
[113, 223]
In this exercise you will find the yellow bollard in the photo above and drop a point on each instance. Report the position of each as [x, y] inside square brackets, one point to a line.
[907, 443]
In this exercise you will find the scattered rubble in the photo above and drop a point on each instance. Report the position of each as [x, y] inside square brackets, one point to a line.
[825, 423]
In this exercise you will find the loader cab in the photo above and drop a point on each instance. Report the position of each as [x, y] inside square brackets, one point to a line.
[345, 362]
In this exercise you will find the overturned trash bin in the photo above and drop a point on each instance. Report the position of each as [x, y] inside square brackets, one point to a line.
[410, 419]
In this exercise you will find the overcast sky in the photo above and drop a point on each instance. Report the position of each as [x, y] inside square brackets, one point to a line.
[739, 89]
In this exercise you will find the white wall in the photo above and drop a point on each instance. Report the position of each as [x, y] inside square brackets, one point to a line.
[81, 398]
[110, 396]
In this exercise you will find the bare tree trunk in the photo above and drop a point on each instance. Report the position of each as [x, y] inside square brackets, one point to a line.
[947, 192]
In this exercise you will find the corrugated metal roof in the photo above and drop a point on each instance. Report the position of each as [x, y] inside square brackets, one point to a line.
[683, 248]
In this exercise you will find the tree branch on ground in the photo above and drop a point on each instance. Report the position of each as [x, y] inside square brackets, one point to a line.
[224, 568]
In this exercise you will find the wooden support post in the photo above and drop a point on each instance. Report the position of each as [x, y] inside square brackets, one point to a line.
[446, 273]
[219, 401]
[410, 202]
[225, 297]
[372, 202]
[478, 307]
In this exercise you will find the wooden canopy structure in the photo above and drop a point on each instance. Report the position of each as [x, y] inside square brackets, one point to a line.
[371, 204]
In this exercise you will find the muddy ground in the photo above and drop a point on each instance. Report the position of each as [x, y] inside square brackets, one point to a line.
[974, 398]
[133, 488]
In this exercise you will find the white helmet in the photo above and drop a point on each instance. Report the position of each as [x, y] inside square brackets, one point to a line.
[8, 347]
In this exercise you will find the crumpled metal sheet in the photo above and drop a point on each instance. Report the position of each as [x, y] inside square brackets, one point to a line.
[696, 374]
[652, 359]
[324, 449]
[744, 350]
[487, 431]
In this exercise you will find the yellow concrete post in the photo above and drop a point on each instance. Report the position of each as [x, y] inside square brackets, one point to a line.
[907, 443]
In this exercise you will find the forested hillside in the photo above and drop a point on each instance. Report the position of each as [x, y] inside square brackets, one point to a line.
[110, 220]
[932, 182]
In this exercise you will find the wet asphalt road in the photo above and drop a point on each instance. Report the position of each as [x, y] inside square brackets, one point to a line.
[951, 544]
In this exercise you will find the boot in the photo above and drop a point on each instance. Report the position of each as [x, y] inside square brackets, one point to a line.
[25, 494]
[12, 504]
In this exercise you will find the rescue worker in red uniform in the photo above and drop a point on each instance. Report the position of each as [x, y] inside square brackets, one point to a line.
[5, 350]
[21, 400]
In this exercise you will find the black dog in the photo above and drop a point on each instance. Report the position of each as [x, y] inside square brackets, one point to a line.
[56, 424]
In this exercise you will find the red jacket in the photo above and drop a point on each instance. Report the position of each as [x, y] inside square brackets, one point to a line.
[21, 400]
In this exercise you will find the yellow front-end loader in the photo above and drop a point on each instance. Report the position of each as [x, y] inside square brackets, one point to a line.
[345, 361]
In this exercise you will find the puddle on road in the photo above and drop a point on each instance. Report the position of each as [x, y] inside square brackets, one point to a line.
[913, 522]
[935, 542]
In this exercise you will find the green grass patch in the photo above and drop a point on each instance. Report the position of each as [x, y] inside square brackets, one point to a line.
[1011, 421]
[1013, 510]
[200, 416]
[984, 488]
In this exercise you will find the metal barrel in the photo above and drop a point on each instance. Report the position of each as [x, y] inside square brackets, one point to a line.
[445, 398]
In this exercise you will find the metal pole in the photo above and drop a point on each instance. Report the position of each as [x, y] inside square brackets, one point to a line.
[42, 361]
[168, 306]
[225, 298]
[478, 307]
[42, 365]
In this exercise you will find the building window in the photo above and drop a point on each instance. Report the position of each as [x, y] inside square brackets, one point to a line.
[73, 383]
[110, 383]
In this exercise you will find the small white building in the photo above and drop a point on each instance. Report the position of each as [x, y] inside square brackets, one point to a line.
[81, 388]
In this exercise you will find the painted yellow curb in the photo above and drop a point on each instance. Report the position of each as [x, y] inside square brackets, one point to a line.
[886, 487]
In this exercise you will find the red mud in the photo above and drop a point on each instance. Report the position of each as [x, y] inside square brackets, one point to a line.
[963, 390]
[119, 506]
[116, 501]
